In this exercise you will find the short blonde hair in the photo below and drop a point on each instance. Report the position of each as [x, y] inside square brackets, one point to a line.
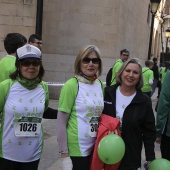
[119, 73]
[84, 52]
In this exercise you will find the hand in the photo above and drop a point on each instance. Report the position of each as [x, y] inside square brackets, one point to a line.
[66, 163]
[146, 165]
[114, 132]
[158, 140]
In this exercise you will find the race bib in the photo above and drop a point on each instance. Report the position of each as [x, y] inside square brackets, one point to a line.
[28, 126]
[93, 126]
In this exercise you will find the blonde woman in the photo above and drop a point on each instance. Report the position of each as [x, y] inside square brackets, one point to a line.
[79, 109]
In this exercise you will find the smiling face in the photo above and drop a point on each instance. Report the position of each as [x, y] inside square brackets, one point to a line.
[131, 75]
[90, 64]
[30, 67]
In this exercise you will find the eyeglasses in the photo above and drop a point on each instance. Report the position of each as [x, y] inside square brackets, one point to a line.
[27, 63]
[39, 43]
[87, 60]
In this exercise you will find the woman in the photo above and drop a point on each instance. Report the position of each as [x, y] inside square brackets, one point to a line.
[23, 100]
[79, 109]
[126, 102]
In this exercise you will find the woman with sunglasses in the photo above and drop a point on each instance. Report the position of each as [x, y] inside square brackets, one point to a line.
[23, 100]
[79, 109]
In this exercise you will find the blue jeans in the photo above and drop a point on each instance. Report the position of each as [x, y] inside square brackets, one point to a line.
[154, 85]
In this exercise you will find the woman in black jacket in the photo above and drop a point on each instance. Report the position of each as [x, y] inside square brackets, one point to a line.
[134, 109]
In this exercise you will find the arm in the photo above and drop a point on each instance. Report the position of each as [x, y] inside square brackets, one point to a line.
[64, 111]
[50, 113]
[149, 132]
[151, 77]
[115, 69]
[150, 81]
[62, 132]
[163, 105]
[62, 140]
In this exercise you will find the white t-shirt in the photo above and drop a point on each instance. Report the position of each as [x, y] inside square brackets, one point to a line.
[121, 103]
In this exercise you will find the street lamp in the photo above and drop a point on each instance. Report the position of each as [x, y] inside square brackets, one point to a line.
[167, 35]
[153, 9]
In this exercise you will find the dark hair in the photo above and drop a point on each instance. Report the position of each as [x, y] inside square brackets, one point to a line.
[17, 71]
[33, 37]
[13, 41]
[124, 51]
[154, 59]
[148, 63]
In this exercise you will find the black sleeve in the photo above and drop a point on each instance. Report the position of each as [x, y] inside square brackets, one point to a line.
[155, 72]
[50, 113]
[149, 132]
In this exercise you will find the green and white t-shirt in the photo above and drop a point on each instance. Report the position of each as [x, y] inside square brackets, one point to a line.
[22, 111]
[147, 75]
[84, 103]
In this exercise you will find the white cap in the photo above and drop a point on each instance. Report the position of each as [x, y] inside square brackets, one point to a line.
[28, 51]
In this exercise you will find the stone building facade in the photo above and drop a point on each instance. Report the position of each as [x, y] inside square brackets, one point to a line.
[112, 25]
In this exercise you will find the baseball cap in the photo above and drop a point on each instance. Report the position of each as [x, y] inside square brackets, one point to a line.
[28, 51]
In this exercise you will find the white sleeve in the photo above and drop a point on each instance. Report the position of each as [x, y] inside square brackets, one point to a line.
[62, 119]
[150, 81]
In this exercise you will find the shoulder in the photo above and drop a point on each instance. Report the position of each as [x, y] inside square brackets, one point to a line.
[7, 82]
[44, 84]
[71, 82]
[71, 85]
[110, 89]
[119, 61]
[142, 98]
[6, 85]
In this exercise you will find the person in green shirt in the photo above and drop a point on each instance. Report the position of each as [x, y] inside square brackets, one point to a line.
[35, 40]
[111, 76]
[163, 118]
[12, 42]
[147, 77]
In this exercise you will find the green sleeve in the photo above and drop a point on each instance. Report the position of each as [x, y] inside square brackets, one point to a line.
[68, 95]
[115, 69]
[163, 105]
[4, 89]
[45, 87]
[7, 66]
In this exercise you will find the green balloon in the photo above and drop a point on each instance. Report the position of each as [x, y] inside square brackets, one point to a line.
[160, 164]
[111, 149]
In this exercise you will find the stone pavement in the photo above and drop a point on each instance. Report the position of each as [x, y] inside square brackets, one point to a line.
[50, 157]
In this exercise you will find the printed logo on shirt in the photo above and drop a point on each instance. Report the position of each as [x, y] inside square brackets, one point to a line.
[107, 102]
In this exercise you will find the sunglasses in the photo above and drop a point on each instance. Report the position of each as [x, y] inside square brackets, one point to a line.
[87, 60]
[27, 63]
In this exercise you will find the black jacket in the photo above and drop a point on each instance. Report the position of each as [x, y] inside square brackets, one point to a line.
[138, 127]
[155, 71]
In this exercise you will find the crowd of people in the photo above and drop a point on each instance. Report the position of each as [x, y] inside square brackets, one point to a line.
[83, 101]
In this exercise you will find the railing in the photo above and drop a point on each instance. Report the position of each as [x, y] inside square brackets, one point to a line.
[60, 83]
[55, 83]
